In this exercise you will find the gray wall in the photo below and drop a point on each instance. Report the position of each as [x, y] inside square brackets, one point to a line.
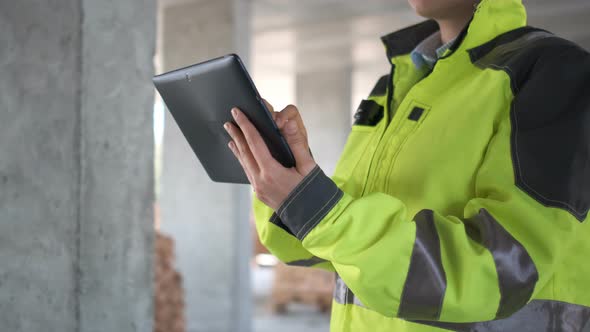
[76, 172]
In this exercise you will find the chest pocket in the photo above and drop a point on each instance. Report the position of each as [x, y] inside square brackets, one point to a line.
[393, 148]
[360, 144]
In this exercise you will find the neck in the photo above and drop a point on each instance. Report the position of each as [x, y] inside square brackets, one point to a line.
[451, 27]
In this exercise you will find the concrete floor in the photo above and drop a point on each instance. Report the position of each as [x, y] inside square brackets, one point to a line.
[299, 317]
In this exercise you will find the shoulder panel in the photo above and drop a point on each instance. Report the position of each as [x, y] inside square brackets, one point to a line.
[550, 115]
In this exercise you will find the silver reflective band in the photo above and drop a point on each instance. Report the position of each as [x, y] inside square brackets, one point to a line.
[503, 51]
[537, 316]
[343, 295]
[426, 281]
[517, 273]
[340, 291]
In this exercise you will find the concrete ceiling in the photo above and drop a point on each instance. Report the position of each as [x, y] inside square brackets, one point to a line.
[328, 33]
[293, 37]
[325, 33]
[275, 14]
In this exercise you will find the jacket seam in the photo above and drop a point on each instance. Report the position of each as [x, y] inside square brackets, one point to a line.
[565, 205]
[326, 208]
[304, 183]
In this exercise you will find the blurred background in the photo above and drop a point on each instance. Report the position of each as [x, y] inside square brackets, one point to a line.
[107, 220]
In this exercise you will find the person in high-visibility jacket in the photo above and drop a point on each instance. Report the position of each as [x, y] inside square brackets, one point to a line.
[460, 201]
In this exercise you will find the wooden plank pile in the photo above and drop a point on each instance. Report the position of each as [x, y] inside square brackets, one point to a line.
[303, 285]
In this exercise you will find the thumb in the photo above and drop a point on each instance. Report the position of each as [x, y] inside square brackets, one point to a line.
[299, 146]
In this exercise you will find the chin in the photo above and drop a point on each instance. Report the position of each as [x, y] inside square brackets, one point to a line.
[425, 8]
[437, 9]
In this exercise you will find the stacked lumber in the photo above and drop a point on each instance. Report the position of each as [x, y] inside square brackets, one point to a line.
[169, 301]
[303, 285]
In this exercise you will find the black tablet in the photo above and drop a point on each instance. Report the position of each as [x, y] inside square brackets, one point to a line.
[200, 98]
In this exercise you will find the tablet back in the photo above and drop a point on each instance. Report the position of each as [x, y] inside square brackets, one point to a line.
[200, 98]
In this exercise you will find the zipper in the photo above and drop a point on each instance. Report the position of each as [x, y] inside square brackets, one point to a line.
[400, 146]
[389, 132]
[387, 119]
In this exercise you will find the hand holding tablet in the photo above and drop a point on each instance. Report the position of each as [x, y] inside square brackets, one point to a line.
[200, 98]
[272, 182]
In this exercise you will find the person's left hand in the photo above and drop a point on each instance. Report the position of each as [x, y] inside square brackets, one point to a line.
[272, 182]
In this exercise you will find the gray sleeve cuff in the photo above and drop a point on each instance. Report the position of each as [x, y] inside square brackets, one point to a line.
[309, 203]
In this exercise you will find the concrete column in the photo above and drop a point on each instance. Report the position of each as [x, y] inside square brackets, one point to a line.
[208, 220]
[323, 98]
[76, 173]
[323, 89]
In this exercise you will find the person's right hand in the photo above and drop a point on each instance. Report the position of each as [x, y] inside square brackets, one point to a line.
[272, 182]
[291, 125]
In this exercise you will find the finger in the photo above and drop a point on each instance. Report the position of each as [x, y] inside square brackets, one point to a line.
[242, 150]
[279, 120]
[291, 113]
[294, 133]
[234, 149]
[254, 141]
[298, 144]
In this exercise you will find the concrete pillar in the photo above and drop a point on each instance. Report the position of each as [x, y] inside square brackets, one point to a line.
[76, 173]
[323, 98]
[208, 220]
[323, 89]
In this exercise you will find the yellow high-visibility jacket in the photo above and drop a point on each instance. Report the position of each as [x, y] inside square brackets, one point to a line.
[460, 201]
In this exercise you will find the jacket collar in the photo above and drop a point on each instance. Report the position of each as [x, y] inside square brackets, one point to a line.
[491, 18]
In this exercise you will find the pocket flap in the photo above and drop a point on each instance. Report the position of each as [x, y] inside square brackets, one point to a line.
[369, 113]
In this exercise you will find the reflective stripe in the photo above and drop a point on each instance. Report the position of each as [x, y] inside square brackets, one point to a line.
[307, 262]
[499, 55]
[356, 301]
[537, 316]
[340, 291]
[425, 285]
[426, 281]
[343, 294]
[517, 274]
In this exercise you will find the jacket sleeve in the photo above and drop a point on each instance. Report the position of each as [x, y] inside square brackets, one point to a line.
[488, 262]
[279, 240]
[275, 235]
